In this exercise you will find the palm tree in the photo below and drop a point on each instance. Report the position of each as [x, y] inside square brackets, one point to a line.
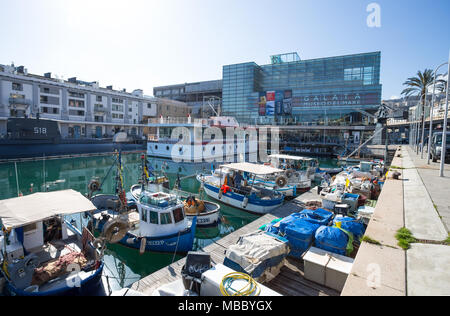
[418, 85]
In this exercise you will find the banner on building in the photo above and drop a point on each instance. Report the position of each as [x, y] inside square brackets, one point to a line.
[272, 103]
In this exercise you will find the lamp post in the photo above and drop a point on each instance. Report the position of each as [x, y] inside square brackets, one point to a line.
[444, 134]
[423, 122]
[430, 134]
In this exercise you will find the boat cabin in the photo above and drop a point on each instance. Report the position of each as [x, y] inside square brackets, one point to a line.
[160, 214]
[287, 162]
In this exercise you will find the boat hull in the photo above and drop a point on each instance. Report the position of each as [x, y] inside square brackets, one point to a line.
[91, 286]
[36, 150]
[236, 200]
[180, 243]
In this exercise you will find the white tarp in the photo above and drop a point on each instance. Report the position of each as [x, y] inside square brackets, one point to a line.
[20, 211]
[255, 248]
[252, 168]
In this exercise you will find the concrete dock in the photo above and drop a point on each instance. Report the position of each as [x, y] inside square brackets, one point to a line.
[420, 202]
[292, 271]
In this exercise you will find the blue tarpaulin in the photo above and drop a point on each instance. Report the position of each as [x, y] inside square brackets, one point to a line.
[331, 239]
[318, 216]
[352, 225]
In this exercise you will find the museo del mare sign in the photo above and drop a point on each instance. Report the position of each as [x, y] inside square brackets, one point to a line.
[336, 99]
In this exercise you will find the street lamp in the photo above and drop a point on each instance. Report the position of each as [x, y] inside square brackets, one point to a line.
[431, 112]
[444, 134]
[423, 122]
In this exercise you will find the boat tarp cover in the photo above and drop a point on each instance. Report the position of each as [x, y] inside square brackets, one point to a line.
[318, 216]
[252, 168]
[256, 252]
[300, 234]
[331, 239]
[352, 225]
[21, 211]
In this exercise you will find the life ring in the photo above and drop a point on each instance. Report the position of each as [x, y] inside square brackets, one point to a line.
[115, 230]
[289, 173]
[94, 185]
[281, 181]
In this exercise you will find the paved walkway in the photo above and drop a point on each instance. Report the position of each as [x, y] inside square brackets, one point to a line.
[427, 216]
[421, 216]
[435, 185]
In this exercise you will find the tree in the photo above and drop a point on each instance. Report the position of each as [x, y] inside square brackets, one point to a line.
[418, 85]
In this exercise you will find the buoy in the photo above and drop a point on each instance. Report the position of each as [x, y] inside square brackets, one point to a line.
[143, 244]
[245, 202]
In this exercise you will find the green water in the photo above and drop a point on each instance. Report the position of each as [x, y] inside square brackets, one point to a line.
[123, 265]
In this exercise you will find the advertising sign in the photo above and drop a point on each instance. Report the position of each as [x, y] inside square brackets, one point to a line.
[273, 103]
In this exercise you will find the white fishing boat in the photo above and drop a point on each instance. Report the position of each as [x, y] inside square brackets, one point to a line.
[43, 254]
[299, 171]
[242, 194]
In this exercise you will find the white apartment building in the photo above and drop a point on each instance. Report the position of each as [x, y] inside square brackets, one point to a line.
[82, 109]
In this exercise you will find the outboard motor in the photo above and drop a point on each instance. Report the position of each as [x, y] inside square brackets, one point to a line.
[196, 264]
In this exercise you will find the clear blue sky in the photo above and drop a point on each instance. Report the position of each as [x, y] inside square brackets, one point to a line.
[144, 43]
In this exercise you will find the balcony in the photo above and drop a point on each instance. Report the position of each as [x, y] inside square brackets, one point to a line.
[100, 109]
[19, 101]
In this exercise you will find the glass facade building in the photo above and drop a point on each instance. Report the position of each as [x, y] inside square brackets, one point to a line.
[338, 90]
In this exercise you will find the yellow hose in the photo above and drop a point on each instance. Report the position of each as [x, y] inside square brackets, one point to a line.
[251, 288]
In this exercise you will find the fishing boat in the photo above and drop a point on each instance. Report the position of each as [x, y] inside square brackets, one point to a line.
[155, 221]
[207, 212]
[299, 171]
[241, 194]
[158, 224]
[43, 254]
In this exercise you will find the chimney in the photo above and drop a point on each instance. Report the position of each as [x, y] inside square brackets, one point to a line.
[73, 80]
[109, 87]
[48, 75]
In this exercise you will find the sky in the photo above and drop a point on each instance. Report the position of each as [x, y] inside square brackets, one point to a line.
[139, 44]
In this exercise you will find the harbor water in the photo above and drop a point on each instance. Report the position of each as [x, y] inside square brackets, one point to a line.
[123, 266]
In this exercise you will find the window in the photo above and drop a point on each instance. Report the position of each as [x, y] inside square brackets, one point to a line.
[149, 106]
[99, 98]
[117, 107]
[76, 103]
[178, 215]
[144, 215]
[17, 86]
[116, 100]
[166, 218]
[153, 217]
[44, 99]
[76, 94]
[55, 111]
